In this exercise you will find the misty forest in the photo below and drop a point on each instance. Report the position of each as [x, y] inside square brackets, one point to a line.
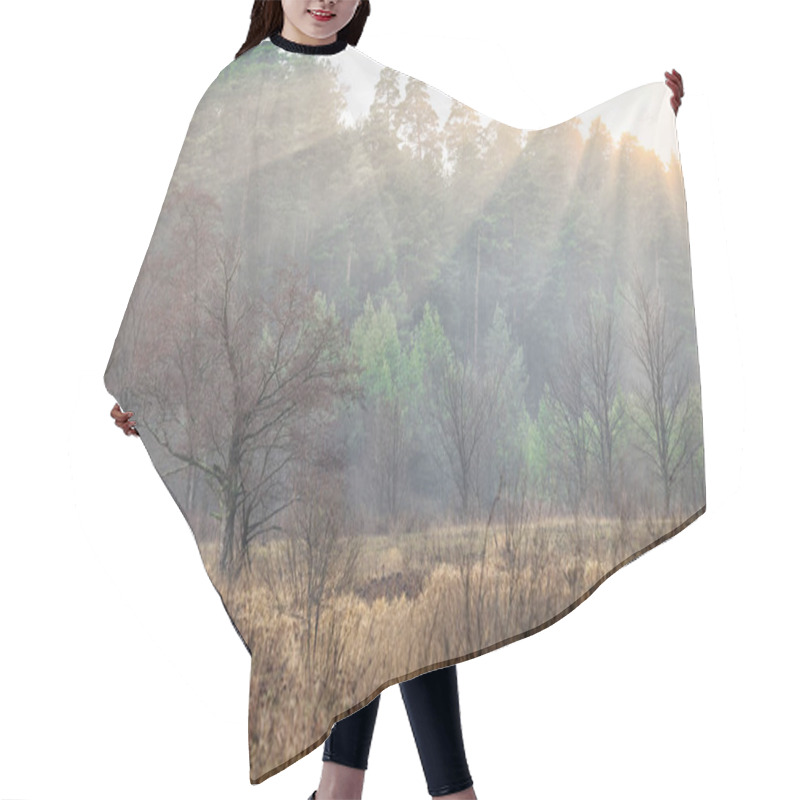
[367, 349]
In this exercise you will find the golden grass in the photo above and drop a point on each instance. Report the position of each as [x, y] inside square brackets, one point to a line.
[413, 601]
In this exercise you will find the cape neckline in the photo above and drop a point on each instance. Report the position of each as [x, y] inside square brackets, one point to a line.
[310, 49]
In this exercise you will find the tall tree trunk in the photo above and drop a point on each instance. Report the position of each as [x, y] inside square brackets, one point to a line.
[477, 295]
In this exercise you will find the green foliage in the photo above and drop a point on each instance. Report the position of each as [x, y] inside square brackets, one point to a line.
[387, 369]
[431, 345]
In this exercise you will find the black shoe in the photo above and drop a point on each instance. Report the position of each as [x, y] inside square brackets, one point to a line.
[313, 795]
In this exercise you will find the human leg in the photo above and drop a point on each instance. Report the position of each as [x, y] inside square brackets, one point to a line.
[346, 753]
[432, 705]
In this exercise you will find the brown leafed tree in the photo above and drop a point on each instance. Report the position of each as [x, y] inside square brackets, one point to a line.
[240, 381]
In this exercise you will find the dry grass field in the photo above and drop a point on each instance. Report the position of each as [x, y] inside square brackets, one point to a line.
[352, 618]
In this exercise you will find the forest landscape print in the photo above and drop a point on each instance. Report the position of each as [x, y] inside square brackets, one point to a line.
[419, 381]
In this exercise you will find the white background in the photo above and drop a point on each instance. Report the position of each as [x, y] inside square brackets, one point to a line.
[120, 673]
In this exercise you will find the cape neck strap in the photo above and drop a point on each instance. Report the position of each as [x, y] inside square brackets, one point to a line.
[309, 49]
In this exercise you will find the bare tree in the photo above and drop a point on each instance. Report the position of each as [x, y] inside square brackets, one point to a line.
[600, 359]
[389, 443]
[463, 406]
[523, 541]
[664, 401]
[161, 338]
[238, 409]
[569, 402]
[322, 553]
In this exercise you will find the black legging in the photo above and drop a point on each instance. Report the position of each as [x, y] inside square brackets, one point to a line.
[432, 706]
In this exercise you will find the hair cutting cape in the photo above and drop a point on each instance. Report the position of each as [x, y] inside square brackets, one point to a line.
[419, 381]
